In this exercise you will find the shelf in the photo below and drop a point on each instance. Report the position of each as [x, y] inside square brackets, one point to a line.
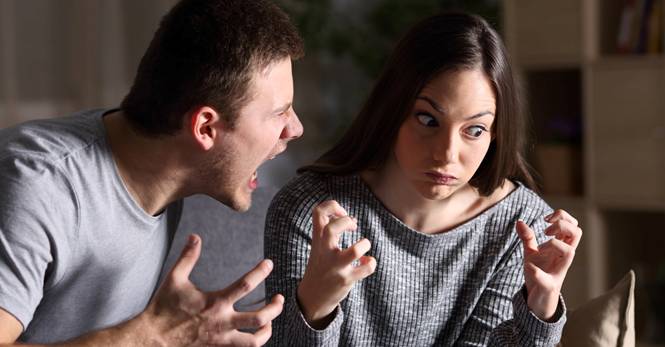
[555, 106]
[631, 203]
[609, 17]
[630, 61]
[566, 54]
[627, 134]
[536, 39]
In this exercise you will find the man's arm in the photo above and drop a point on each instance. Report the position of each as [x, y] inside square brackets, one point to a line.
[10, 327]
[182, 315]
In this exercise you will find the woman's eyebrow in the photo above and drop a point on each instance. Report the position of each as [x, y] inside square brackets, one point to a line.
[433, 103]
[438, 107]
[478, 115]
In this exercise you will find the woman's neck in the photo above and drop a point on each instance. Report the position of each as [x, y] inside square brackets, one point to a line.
[399, 196]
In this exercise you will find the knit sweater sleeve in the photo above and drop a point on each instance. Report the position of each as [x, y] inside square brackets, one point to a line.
[287, 242]
[502, 318]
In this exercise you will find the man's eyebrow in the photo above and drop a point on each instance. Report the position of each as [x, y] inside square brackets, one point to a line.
[440, 109]
[283, 108]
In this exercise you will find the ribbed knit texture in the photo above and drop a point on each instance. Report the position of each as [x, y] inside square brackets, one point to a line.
[462, 287]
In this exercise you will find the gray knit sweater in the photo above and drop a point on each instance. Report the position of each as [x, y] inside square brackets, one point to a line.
[463, 287]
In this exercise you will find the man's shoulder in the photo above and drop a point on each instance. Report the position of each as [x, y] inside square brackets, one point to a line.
[51, 140]
[32, 152]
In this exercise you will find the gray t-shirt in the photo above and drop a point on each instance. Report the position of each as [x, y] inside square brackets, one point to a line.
[461, 287]
[77, 253]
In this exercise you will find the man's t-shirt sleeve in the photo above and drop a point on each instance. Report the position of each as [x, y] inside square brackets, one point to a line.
[36, 206]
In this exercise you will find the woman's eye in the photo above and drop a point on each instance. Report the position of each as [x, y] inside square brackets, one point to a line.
[426, 120]
[475, 131]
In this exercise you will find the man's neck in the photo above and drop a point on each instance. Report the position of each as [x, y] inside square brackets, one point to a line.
[149, 167]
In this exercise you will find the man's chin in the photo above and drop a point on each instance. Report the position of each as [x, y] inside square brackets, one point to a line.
[241, 203]
[243, 207]
[237, 203]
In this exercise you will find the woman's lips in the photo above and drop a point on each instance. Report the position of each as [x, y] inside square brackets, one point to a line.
[440, 178]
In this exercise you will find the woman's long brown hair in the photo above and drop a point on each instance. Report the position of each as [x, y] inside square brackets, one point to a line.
[449, 41]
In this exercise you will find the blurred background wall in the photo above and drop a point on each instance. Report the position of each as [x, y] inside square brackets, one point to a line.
[57, 56]
[593, 72]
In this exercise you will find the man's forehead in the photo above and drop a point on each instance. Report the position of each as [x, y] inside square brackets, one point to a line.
[272, 85]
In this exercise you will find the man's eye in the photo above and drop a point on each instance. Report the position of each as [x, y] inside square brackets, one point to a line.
[475, 131]
[426, 120]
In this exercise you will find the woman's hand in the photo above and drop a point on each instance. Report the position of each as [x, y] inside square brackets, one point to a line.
[331, 271]
[545, 266]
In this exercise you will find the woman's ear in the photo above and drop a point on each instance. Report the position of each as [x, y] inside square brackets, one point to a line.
[205, 125]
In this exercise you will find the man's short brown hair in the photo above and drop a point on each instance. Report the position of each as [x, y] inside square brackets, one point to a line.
[205, 53]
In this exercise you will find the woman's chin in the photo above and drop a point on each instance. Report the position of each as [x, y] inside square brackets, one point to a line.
[436, 192]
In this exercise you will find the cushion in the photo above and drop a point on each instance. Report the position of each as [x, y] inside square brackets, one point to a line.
[608, 320]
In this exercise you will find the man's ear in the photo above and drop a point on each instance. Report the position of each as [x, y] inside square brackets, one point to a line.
[205, 124]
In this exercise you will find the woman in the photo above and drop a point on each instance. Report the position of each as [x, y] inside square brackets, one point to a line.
[419, 227]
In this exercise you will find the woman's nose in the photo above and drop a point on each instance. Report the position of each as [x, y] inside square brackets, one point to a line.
[446, 147]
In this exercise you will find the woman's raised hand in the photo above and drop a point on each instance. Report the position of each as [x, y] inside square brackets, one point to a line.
[546, 265]
[331, 271]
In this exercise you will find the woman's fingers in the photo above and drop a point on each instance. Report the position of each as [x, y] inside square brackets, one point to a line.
[323, 212]
[560, 214]
[366, 266]
[528, 238]
[566, 231]
[354, 252]
[557, 248]
[334, 229]
[330, 221]
[554, 257]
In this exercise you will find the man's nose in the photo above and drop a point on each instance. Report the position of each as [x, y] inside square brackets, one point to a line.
[293, 128]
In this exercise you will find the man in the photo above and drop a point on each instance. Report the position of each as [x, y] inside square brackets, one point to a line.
[90, 203]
